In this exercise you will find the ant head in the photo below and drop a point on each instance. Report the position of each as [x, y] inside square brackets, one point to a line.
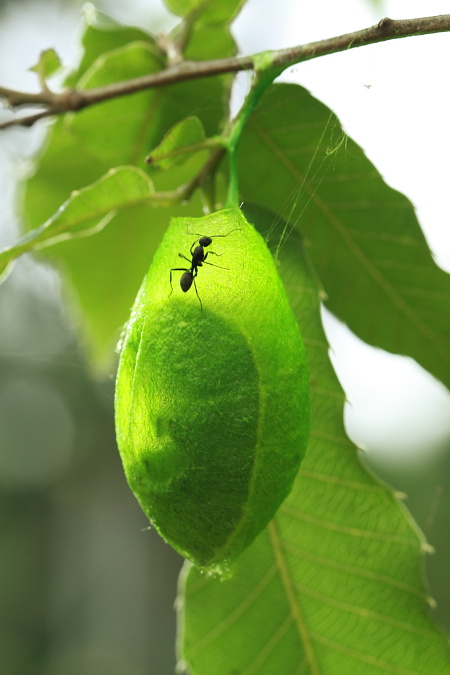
[205, 241]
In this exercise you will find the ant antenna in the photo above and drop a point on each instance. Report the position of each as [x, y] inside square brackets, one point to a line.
[213, 236]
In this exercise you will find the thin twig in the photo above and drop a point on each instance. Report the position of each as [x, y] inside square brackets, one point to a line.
[25, 120]
[75, 99]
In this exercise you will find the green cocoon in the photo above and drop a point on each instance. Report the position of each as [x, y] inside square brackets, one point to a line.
[212, 405]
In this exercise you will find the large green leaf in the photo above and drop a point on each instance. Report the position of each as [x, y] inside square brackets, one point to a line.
[102, 34]
[334, 585]
[119, 130]
[364, 239]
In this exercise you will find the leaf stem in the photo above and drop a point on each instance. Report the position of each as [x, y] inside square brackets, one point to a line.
[264, 76]
[207, 144]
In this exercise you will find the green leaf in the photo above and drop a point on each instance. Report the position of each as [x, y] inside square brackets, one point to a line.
[364, 239]
[207, 11]
[63, 166]
[186, 136]
[106, 270]
[114, 130]
[48, 64]
[335, 582]
[102, 34]
[86, 211]
[210, 41]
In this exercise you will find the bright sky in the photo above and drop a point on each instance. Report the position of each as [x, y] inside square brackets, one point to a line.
[399, 120]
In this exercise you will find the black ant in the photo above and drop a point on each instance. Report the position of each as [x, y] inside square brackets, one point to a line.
[198, 258]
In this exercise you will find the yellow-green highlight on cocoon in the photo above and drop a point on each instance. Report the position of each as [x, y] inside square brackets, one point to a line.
[212, 405]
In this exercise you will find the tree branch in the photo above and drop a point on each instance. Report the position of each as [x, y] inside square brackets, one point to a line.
[75, 99]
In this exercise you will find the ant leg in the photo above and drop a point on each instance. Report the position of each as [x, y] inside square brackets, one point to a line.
[212, 264]
[212, 253]
[205, 262]
[184, 257]
[195, 286]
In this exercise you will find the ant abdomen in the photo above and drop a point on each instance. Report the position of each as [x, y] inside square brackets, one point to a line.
[186, 281]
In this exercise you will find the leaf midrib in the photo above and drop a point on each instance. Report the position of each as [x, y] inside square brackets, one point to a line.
[291, 596]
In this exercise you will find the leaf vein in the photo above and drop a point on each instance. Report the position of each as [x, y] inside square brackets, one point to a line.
[269, 646]
[345, 482]
[232, 617]
[382, 664]
[353, 569]
[363, 612]
[345, 529]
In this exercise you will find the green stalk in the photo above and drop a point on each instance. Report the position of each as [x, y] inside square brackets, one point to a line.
[263, 78]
